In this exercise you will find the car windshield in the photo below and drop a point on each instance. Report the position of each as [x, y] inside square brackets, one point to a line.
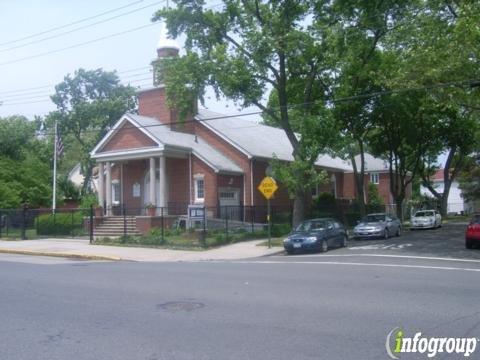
[424, 213]
[311, 225]
[374, 218]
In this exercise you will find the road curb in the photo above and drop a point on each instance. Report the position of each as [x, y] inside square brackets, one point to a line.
[62, 255]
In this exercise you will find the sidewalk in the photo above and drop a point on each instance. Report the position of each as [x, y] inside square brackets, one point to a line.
[83, 250]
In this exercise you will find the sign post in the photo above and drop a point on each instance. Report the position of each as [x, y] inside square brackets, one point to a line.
[268, 187]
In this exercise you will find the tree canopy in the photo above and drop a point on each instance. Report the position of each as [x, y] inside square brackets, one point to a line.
[88, 105]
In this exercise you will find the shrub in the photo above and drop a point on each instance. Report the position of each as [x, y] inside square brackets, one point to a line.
[153, 237]
[60, 224]
[281, 229]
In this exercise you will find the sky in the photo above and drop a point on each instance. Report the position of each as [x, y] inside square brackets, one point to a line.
[31, 64]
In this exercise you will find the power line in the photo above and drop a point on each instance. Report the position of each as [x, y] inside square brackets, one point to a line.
[70, 24]
[43, 93]
[80, 28]
[49, 86]
[77, 45]
[462, 83]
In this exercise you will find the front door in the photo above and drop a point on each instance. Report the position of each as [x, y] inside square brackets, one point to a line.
[229, 200]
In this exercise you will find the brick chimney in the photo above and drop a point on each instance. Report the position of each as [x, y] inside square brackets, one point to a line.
[153, 102]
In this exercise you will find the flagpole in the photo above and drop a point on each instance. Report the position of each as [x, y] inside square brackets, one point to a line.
[54, 195]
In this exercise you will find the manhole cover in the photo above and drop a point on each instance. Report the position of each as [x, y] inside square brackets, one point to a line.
[181, 306]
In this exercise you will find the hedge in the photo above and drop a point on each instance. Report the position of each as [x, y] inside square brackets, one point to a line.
[60, 224]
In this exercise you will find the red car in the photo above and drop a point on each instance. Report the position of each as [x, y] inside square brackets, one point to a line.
[472, 235]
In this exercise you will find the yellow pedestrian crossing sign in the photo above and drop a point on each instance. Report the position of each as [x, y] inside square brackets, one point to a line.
[267, 187]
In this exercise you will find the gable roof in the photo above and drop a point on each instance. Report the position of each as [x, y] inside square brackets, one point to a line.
[259, 140]
[166, 139]
[175, 139]
[372, 164]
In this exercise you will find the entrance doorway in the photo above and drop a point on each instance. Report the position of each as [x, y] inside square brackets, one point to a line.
[229, 200]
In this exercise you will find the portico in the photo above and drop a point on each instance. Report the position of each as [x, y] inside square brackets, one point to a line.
[132, 183]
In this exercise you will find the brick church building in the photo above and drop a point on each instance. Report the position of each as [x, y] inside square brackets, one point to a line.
[150, 160]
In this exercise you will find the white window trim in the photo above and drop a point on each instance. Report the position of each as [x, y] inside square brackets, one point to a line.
[373, 176]
[196, 178]
[114, 184]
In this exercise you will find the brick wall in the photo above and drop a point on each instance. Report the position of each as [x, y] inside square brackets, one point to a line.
[128, 137]
[153, 103]
[210, 181]
[229, 151]
[134, 172]
[178, 181]
[349, 191]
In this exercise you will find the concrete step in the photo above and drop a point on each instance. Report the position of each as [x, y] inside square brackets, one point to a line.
[116, 229]
[119, 221]
[114, 233]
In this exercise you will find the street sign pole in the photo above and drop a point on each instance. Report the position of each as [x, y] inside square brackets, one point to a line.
[269, 225]
[267, 187]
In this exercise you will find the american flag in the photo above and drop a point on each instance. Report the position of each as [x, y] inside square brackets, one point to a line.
[59, 145]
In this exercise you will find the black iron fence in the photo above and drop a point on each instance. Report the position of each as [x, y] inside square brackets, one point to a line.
[28, 223]
[178, 225]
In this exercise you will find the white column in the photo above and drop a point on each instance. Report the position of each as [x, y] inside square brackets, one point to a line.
[152, 181]
[101, 184]
[163, 182]
[108, 188]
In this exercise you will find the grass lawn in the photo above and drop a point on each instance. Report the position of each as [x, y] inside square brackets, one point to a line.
[179, 241]
[15, 234]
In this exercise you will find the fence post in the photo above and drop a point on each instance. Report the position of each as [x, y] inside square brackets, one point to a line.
[163, 225]
[71, 228]
[124, 220]
[90, 225]
[269, 224]
[54, 223]
[24, 220]
[252, 215]
[204, 235]
[226, 224]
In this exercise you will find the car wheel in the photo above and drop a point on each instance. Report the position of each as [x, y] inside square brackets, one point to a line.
[386, 234]
[289, 252]
[399, 231]
[324, 246]
[344, 241]
[468, 243]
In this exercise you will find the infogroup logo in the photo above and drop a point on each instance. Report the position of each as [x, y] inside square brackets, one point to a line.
[397, 343]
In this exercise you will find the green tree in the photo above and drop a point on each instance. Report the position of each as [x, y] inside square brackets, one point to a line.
[88, 105]
[359, 36]
[404, 134]
[438, 46]
[247, 50]
[25, 175]
[469, 179]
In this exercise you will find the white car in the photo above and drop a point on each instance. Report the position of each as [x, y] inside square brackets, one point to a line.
[426, 219]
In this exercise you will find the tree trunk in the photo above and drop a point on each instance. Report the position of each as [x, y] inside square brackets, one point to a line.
[298, 208]
[87, 177]
[359, 178]
[399, 207]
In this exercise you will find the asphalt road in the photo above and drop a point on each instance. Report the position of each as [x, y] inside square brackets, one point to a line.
[300, 307]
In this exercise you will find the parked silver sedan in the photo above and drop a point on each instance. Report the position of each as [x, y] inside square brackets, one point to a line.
[426, 219]
[377, 226]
